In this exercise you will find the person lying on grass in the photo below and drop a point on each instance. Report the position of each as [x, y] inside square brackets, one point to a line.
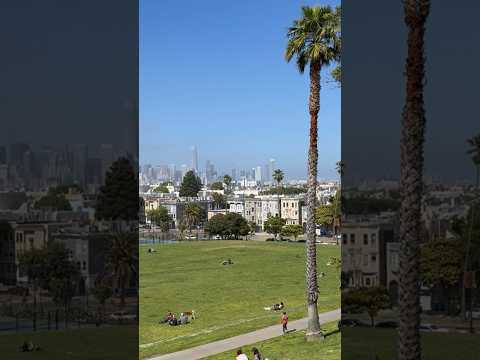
[275, 307]
[227, 262]
[167, 317]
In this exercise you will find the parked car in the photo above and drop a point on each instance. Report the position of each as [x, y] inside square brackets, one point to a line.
[122, 315]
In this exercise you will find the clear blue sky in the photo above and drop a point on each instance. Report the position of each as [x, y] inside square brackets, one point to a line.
[213, 74]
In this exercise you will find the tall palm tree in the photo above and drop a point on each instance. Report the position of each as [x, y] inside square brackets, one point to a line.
[314, 41]
[474, 152]
[122, 260]
[411, 181]
[192, 215]
[278, 176]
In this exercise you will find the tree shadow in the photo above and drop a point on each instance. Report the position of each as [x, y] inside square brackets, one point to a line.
[333, 332]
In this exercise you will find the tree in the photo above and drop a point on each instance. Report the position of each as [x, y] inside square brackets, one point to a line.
[122, 260]
[217, 186]
[53, 201]
[191, 185]
[192, 215]
[161, 189]
[118, 198]
[411, 181]
[314, 40]
[474, 152]
[274, 225]
[102, 291]
[160, 217]
[231, 225]
[366, 299]
[219, 201]
[278, 176]
[292, 230]
[324, 215]
[337, 74]
[227, 179]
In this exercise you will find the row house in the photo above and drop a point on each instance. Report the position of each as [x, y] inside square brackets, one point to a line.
[291, 210]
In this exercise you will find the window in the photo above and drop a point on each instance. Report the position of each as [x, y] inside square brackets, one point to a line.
[373, 238]
[365, 239]
[365, 260]
[367, 281]
[344, 237]
[352, 239]
[373, 258]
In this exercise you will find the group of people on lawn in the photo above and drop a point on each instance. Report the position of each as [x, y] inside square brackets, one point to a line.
[256, 355]
[172, 320]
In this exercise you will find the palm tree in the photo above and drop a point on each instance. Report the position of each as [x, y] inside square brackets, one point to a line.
[278, 176]
[122, 259]
[474, 151]
[411, 181]
[192, 215]
[314, 40]
[227, 179]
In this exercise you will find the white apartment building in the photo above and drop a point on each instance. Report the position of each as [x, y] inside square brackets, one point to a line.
[291, 209]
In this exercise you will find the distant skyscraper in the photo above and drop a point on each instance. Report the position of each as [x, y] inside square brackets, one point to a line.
[234, 174]
[258, 174]
[272, 169]
[194, 159]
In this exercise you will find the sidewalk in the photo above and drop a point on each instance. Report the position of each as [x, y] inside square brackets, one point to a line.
[236, 342]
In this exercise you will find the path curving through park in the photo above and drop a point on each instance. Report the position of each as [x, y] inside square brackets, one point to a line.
[216, 347]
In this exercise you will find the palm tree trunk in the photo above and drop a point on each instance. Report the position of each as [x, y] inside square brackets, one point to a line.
[411, 182]
[313, 327]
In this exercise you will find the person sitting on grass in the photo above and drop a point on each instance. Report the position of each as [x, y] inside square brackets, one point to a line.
[227, 262]
[167, 317]
[275, 307]
[257, 355]
[241, 355]
[173, 321]
[183, 319]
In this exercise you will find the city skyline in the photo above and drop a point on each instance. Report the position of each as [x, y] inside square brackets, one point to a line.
[243, 103]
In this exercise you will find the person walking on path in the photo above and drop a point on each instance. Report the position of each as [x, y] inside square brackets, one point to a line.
[284, 322]
[241, 355]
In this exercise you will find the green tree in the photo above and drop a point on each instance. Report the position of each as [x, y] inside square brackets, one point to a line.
[191, 185]
[366, 299]
[192, 215]
[217, 186]
[274, 225]
[314, 40]
[118, 198]
[219, 201]
[278, 176]
[53, 201]
[411, 181]
[292, 230]
[217, 226]
[324, 215]
[337, 74]
[474, 152]
[160, 217]
[102, 291]
[161, 189]
[227, 179]
[230, 225]
[122, 260]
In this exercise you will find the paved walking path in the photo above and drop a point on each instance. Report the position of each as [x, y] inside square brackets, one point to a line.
[236, 342]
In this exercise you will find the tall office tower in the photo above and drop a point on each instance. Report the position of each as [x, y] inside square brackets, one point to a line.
[207, 172]
[258, 174]
[272, 168]
[16, 156]
[173, 169]
[234, 174]
[194, 159]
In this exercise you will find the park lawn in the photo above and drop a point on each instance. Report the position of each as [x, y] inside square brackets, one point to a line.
[293, 347]
[363, 343]
[228, 300]
[106, 342]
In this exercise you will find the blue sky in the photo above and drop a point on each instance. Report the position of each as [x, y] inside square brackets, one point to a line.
[212, 74]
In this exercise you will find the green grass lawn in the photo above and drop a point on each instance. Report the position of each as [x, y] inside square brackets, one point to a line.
[293, 347]
[364, 343]
[116, 343]
[228, 300]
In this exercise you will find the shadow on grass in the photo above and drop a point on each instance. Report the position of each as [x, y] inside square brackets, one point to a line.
[333, 332]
